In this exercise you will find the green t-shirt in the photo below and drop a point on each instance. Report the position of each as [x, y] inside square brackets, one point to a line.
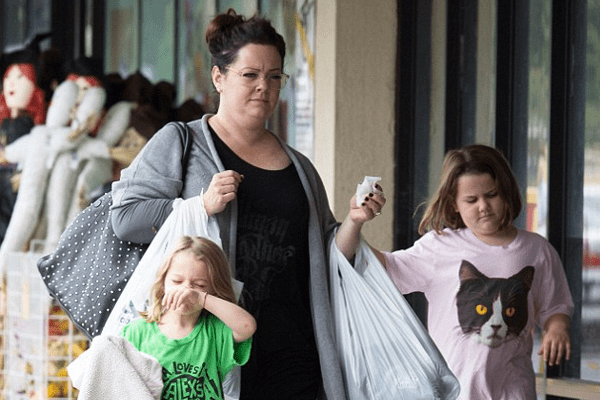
[193, 367]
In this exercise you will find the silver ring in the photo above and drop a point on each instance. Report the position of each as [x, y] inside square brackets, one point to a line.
[378, 213]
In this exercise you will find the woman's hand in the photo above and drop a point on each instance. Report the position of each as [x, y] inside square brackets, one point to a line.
[222, 189]
[347, 237]
[370, 207]
[556, 343]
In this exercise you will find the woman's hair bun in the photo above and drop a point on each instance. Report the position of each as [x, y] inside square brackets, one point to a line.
[229, 32]
[222, 25]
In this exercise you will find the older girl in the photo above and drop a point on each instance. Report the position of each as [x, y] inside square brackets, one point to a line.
[487, 282]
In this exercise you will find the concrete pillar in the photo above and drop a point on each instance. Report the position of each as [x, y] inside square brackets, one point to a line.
[355, 63]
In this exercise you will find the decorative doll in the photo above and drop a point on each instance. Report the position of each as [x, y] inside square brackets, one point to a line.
[32, 152]
[22, 106]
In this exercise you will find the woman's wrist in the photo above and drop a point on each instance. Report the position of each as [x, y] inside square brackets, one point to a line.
[354, 225]
[208, 212]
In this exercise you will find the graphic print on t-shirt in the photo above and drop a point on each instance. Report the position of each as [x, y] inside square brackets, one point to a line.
[188, 381]
[492, 310]
[264, 249]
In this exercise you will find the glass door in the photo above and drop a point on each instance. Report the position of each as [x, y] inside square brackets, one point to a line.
[590, 312]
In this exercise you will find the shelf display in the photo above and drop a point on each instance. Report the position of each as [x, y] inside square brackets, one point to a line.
[37, 339]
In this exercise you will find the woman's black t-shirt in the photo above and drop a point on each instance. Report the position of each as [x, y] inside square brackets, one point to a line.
[272, 261]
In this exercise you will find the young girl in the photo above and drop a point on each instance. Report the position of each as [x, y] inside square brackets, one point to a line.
[487, 282]
[193, 326]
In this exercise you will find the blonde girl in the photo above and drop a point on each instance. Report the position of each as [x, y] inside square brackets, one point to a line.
[193, 326]
[487, 282]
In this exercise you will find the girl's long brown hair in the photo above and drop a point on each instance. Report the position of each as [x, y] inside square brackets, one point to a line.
[473, 159]
[219, 275]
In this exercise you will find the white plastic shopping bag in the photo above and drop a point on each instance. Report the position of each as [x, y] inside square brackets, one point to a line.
[385, 350]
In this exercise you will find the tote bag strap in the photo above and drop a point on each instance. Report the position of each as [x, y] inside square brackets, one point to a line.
[188, 139]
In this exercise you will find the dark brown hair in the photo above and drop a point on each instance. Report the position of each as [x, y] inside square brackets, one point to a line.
[472, 160]
[229, 32]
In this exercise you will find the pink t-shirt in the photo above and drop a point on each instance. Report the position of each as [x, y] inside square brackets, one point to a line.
[483, 326]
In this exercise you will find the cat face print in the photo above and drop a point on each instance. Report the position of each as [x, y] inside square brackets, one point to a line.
[492, 310]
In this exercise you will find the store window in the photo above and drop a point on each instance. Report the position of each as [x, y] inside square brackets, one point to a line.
[21, 20]
[538, 180]
[590, 358]
[538, 116]
[122, 50]
[158, 40]
[538, 130]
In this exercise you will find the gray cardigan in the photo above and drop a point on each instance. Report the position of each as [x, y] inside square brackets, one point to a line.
[143, 198]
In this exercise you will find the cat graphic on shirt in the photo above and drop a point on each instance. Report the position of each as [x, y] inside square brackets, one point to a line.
[492, 310]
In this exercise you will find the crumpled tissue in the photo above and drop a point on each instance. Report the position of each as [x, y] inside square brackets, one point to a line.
[367, 186]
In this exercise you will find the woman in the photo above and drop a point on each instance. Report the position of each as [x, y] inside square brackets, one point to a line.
[270, 204]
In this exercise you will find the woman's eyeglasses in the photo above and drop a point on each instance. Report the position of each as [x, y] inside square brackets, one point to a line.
[251, 79]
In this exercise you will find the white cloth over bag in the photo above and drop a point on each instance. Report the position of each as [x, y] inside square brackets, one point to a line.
[113, 369]
[386, 352]
[189, 218]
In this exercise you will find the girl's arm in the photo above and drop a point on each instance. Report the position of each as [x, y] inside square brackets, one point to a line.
[556, 343]
[240, 321]
[347, 237]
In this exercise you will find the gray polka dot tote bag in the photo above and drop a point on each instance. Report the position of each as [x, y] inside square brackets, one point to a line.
[90, 267]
